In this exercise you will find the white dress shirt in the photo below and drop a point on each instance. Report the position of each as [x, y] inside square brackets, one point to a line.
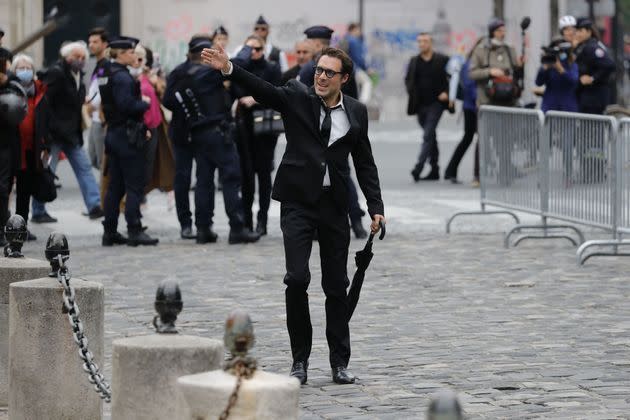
[340, 125]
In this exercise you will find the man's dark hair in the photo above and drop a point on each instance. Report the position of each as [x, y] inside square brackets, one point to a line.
[346, 61]
[352, 26]
[425, 33]
[100, 31]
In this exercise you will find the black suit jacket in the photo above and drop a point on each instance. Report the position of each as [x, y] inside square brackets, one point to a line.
[439, 82]
[292, 73]
[65, 102]
[301, 172]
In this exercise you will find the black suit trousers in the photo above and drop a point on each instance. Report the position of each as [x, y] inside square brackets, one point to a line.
[299, 223]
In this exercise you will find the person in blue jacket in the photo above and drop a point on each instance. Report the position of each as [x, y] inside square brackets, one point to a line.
[469, 92]
[560, 79]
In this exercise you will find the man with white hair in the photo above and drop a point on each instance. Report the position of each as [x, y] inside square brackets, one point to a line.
[66, 95]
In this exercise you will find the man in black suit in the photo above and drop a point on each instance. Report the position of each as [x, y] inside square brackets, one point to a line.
[322, 127]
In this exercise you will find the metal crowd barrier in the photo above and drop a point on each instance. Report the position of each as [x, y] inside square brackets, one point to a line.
[513, 168]
[619, 171]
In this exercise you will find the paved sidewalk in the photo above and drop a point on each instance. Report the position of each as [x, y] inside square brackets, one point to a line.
[517, 333]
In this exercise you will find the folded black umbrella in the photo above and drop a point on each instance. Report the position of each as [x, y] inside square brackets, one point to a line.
[362, 259]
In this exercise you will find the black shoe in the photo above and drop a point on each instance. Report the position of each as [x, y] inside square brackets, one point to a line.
[358, 230]
[433, 176]
[242, 236]
[452, 178]
[341, 376]
[205, 235]
[187, 233]
[261, 229]
[298, 370]
[43, 218]
[111, 239]
[415, 174]
[96, 213]
[139, 237]
[30, 236]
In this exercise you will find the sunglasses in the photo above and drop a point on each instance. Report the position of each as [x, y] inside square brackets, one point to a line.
[260, 28]
[257, 49]
[329, 73]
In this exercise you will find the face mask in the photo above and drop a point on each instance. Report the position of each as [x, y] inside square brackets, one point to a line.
[135, 72]
[25, 75]
[77, 65]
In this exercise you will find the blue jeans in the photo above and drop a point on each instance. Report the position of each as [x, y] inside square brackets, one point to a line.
[82, 170]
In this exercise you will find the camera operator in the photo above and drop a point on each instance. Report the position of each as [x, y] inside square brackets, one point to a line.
[559, 74]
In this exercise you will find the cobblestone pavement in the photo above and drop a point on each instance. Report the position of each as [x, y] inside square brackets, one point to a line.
[517, 333]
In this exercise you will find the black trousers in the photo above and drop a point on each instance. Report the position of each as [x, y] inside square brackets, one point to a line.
[299, 223]
[183, 175]
[256, 153]
[6, 157]
[470, 129]
[213, 151]
[126, 170]
[25, 185]
[428, 118]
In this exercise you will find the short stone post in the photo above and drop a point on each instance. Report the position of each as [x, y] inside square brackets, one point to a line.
[146, 368]
[240, 391]
[46, 377]
[445, 406]
[14, 268]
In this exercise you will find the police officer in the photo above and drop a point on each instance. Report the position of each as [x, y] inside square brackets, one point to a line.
[197, 97]
[595, 67]
[124, 108]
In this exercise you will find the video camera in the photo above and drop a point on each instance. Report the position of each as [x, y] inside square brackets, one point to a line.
[555, 51]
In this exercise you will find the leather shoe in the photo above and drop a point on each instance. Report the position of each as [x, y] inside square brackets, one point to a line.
[111, 239]
[139, 237]
[433, 176]
[30, 236]
[358, 230]
[341, 375]
[187, 233]
[205, 235]
[242, 236]
[261, 228]
[415, 174]
[96, 213]
[43, 218]
[298, 370]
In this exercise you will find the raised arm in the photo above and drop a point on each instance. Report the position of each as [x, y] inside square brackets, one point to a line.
[265, 93]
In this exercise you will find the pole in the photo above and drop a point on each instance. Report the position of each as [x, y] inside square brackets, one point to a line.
[361, 14]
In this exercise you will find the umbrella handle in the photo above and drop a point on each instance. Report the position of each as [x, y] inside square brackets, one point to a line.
[383, 230]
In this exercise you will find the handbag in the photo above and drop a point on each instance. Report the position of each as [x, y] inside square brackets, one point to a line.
[502, 89]
[267, 121]
[44, 189]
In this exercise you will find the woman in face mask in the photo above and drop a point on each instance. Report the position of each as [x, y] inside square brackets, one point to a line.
[153, 116]
[33, 132]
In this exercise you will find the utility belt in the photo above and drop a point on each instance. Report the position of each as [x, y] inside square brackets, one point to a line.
[223, 127]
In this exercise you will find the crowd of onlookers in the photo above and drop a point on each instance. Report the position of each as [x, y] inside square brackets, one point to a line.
[574, 76]
[62, 104]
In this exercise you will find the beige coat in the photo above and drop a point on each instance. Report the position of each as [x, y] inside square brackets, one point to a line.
[502, 57]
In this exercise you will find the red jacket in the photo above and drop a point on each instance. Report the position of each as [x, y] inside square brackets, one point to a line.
[34, 127]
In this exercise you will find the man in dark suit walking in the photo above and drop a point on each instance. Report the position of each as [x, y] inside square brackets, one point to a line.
[322, 128]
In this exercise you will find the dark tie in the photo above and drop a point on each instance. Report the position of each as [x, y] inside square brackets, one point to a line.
[327, 123]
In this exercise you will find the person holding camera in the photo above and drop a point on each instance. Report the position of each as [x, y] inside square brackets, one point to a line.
[257, 136]
[559, 74]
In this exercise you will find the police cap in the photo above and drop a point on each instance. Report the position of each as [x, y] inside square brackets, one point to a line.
[319, 32]
[196, 45]
[124, 43]
[220, 31]
[584, 23]
[261, 21]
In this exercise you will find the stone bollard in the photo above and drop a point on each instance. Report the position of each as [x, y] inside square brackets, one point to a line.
[259, 395]
[46, 377]
[146, 368]
[444, 405]
[13, 269]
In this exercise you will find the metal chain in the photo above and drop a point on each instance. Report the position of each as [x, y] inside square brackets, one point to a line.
[96, 378]
[243, 368]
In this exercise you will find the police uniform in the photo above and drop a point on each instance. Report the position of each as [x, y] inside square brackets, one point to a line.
[196, 95]
[593, 59]
[124, 109]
